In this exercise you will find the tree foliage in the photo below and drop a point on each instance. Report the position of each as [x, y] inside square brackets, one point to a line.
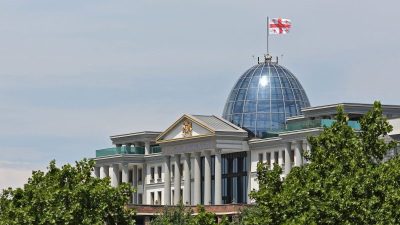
[181, 215]
[67, 195]
[203, 217]
[346, 182]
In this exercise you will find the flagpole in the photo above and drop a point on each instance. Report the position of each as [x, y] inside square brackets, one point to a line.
[267, 35]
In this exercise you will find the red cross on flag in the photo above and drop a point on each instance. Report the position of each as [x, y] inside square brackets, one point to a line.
[279, 26]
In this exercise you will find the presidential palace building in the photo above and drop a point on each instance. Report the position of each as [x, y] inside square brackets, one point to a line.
[210, 159]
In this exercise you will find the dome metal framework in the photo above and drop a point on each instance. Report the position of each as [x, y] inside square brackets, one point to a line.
[263, 97]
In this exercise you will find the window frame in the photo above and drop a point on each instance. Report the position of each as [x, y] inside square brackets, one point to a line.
[140, 175]
[159, 172]
[152, 173]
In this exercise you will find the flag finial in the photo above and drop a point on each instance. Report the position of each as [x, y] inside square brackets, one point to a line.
[268, 57]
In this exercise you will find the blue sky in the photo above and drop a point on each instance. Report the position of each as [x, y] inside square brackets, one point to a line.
[72, 73]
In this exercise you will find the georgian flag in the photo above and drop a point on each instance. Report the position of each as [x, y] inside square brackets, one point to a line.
[279, 26]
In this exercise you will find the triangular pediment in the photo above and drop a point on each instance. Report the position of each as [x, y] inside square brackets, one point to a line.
[186, 127]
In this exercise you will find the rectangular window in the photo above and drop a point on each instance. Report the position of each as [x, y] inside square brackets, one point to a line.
[292, 156]
[140, 199]
[268, 158]
[140, 175]
[181, 192]
[159, 197]
[152, 198]
[181, 169]
[283, 157]
[172, 196]
[159, 171]
[152, 173]
[260, 158]
[130, 180]
[276, 157]
[173, 170]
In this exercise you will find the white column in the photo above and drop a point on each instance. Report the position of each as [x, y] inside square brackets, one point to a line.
[207, 178]
[308, 149]
[167, 180]
[288, 158]
[134, 183]
[187, 179]
[144, 183]
[104, 171]
[147, 148]
[249, 179]
[298, 153]
[97, 171]
[125, 171]
[218, 178]
[177, 179]
[114, 175]
[197, 179]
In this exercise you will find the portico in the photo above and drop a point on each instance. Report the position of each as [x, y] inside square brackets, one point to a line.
[198, 143]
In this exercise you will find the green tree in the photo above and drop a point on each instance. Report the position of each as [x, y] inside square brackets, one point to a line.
[67, 195]
[250, 216]
[181, 215]
[225, 221]
[203, 217]
[346, 181]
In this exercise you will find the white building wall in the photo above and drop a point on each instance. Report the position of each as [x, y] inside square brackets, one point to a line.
[396, 126]
[274, 151]
[155, 166]
[155, 190]
[139, 188]
[255, 154]
[280, 152]
[158, 185]
[154, 185]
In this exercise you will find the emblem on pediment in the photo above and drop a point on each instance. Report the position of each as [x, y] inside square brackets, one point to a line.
[187, 128]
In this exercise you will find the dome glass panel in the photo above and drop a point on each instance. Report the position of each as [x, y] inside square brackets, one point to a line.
[263, 97]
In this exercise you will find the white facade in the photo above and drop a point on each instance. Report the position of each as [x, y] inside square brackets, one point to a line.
[210, 160]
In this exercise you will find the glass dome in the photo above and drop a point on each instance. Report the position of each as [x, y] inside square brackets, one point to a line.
[263, 97]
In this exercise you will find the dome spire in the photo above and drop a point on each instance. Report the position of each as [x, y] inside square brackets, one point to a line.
[267, 59]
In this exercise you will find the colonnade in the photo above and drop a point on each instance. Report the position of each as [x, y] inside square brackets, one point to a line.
[298, 152]
[103, 172]
[186, 198]
[196, 188]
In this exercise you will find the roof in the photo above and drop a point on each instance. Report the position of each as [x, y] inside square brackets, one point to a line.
[217, 123]
[349, 108]
[136, 134]
[134, 137]
[263, 97]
